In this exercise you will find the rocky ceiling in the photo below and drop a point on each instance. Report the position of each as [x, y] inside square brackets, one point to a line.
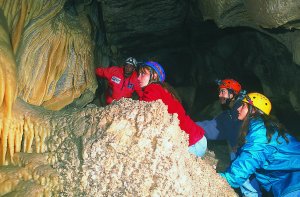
[49, 49]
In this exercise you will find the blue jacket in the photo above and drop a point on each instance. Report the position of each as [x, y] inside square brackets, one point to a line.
[275, 164]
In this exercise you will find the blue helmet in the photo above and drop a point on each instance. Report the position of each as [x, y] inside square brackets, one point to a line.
[158, 69]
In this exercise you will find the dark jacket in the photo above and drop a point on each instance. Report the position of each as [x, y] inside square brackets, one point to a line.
[225, 126]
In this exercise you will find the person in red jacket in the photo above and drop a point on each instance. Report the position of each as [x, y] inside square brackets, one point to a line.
[151, 78]
[122, 80]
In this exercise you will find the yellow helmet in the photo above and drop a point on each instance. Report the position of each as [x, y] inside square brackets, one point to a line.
[259, 101]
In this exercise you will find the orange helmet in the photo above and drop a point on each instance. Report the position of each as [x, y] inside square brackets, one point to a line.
[230, 84]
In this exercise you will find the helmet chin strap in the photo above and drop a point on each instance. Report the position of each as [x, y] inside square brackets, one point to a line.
[227, 101]
[250, 110]
[226, 105]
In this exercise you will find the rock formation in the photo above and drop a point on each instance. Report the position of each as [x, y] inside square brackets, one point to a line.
[127, 148]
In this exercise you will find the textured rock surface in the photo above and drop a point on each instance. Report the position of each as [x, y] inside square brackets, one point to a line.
[127, 23]
[133, 148]
[53, 50]
[129, 148]
[259, 15]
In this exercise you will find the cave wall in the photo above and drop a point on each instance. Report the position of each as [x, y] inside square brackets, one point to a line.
[200, 41]
[178, 34]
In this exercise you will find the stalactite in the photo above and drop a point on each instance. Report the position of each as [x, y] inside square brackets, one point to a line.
[19, 135]
[8, 87]
[25, 134]
[29, 135]
[11, 139]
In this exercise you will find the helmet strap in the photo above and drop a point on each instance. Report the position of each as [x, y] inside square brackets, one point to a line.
[226, 105]
[250, 109]
[229, 100]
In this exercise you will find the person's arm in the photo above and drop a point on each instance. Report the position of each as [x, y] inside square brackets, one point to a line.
[103, 72]
[253, 155]
[241, 169]
[215, 126]
[210, 127]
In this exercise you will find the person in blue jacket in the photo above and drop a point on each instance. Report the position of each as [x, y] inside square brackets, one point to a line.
[268, 150]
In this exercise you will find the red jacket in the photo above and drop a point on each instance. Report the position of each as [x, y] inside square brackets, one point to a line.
[119, 86]
[154, 92]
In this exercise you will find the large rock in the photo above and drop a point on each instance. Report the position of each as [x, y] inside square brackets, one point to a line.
[130, 148]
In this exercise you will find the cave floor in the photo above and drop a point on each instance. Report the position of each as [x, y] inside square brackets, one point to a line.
[217, 155]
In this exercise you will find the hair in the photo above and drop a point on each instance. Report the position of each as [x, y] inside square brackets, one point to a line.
[235, 96]
[271, 123]
[165, 85]
[171, 90]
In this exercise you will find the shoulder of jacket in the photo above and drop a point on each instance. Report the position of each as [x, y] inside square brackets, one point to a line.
[153, 87]
[257, 125]
[116, 67]
[156, 85]
[256, 122]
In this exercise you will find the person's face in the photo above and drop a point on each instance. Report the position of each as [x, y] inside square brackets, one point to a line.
[242, 111]
[144, 77]
[128, 69]
[224, 95]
